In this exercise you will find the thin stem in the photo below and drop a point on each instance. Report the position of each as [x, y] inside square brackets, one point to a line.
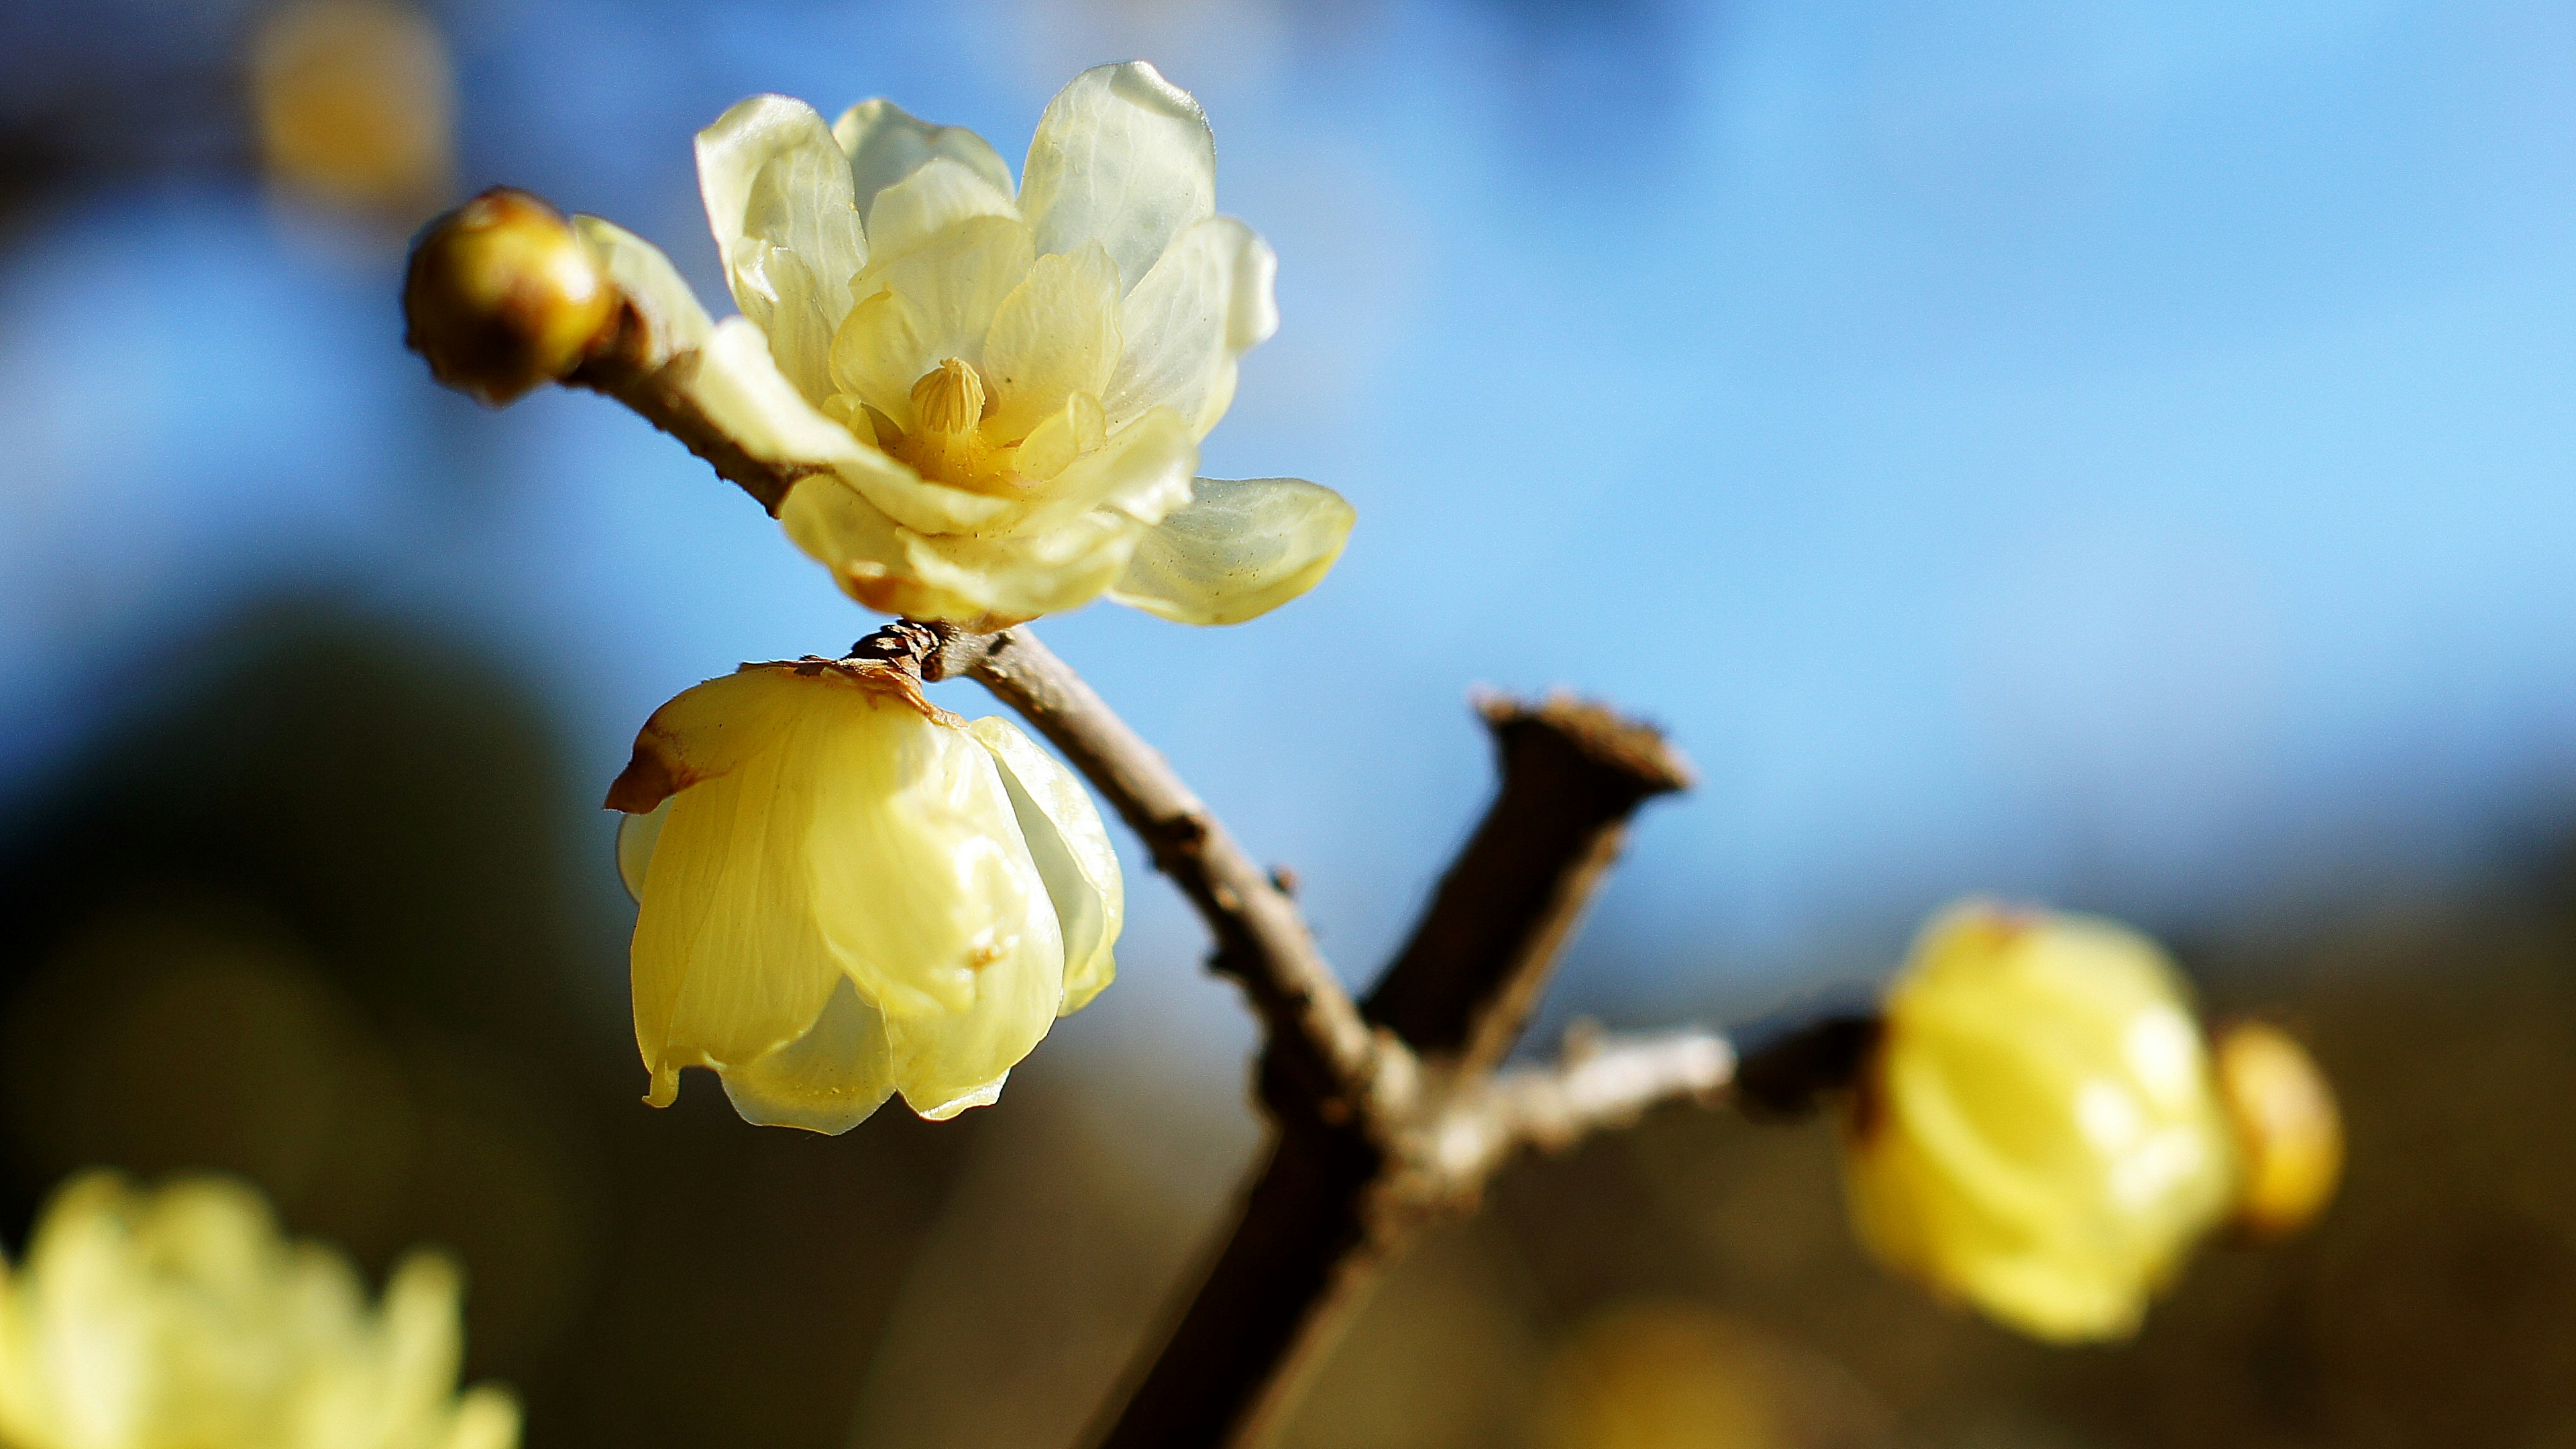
[1314, 1029]
[1600, 1082]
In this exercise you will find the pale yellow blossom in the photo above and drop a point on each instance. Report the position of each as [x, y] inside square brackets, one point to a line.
[846, 894]
[181, 1319]
[2038, 1133]
[994, 394]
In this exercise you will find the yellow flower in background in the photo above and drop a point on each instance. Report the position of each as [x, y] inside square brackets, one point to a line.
[997, 393]
[181, 1319]
[847, 894]
[2038, 1133]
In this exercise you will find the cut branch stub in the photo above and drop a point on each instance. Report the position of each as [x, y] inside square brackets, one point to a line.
[1573, 772]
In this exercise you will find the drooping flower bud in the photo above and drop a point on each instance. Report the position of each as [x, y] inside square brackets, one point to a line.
[2289, 1137]
[503, 294]
[2038, 1134]
[180, 1316]
[846, 894]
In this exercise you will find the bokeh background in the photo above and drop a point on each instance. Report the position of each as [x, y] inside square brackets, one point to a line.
[2113, 454]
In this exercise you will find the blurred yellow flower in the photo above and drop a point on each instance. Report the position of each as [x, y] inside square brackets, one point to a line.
[997, 396]
[181, 1319]
[847, 894]
[2038, 1133]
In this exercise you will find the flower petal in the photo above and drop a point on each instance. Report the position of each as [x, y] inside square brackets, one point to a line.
[1142, 473]
[918, 875]
[885, 145]
[1239, 550]
[1056, 334]
[1206, 303]
[1019, 577]
[727, 961]
[1073, 855]
[930, 304]
[919, 503]
[866, 552]
[778, 195]
[937, 196]
[1122, 157]
[828, 1080]
[945, 1063]
[737, 383]
[636, 836]
[677, 320]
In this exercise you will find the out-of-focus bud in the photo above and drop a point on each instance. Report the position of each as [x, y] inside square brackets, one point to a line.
[2289, 1137]
[503, 294]
[354, 106]
[2038, 1134]
[848, 894]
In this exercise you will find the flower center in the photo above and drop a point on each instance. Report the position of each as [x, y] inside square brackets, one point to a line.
[949, 398]
[946, 442]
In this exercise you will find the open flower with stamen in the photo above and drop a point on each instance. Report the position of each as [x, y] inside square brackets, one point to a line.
[2038, 1131]
[846, 893]
[994, 395]
[180, 1318]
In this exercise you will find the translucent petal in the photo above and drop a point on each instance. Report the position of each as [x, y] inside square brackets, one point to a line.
[778, 196]
[924, 504]
[677, 319]
[868, 553]
[1239, 550]
[941, 1059]
[937, 196]
[1073, 855]
[1056, 334]
[1142, 474]
[636, 836]
[939, 303]
[737, 383]
[828, 1080]
[728, 961]
[1076, 428]
[1206, 303]
[982, 1096]
[885, 145]
[917, 873]
[1122, 157]
[1019, 577]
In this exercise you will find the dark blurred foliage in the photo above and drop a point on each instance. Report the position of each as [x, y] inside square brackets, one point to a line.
[310, 914]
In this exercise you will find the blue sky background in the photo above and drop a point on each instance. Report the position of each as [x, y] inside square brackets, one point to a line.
[2116, 454]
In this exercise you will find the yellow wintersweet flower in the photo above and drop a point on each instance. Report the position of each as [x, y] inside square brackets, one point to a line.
[2038, 1133]
[996, 395]
[181, 1319]
[846, 893]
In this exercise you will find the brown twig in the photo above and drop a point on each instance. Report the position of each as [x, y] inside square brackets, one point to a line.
[1598, 1082]
[1337, 1200]
[1573, 772]
[637, 367]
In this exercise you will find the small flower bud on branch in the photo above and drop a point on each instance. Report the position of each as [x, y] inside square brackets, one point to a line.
[502, 295]
[2289, 1137]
